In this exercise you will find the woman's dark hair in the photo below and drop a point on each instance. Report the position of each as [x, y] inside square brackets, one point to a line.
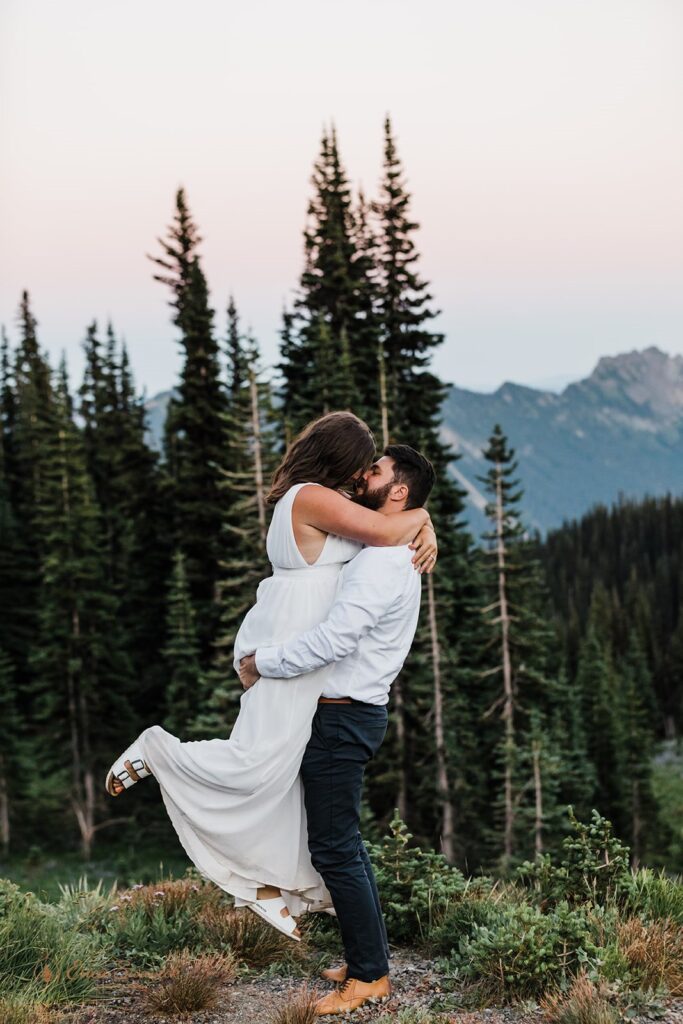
[413, 469]
[328, 451]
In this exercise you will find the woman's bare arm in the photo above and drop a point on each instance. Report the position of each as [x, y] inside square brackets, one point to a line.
[326, 510]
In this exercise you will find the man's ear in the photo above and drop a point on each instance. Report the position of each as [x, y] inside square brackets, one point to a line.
[399, 492]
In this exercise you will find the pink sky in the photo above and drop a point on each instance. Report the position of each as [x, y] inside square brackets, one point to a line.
[542, 141]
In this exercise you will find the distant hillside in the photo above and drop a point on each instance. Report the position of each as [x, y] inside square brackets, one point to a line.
[619, 430]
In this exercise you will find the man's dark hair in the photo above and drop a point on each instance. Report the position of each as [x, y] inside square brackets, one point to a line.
[412, 469]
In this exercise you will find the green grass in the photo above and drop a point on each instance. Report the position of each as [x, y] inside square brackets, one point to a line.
[43, 873]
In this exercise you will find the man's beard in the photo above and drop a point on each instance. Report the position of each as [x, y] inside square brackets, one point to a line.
[373, 500]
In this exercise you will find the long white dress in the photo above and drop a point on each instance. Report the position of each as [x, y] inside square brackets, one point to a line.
[237, 803]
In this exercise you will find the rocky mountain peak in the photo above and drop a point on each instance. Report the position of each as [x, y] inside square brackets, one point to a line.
[649, 379]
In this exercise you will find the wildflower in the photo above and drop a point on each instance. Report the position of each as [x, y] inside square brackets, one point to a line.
[113, 908]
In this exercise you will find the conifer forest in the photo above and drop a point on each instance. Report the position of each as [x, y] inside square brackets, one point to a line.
[547, 671]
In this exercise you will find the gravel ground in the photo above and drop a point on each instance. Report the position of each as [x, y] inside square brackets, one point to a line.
[257, 998]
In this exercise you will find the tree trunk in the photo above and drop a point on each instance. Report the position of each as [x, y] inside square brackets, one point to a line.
[258, 460]
[636, 824]
[442, 781]
[397, 686]
[508, 699]
[4, 807]
[383, 404]
[538, 792]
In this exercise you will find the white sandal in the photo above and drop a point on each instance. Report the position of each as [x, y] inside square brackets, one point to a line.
[128, 769]
[271, 911]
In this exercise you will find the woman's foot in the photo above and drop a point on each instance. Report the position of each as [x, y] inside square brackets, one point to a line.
[126, 771]
[270, 906]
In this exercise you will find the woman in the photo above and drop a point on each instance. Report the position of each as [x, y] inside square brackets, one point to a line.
[237, 803]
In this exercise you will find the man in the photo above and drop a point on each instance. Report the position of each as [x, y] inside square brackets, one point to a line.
[368, 633]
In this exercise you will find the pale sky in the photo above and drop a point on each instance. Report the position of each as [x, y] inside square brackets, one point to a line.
[541, 138]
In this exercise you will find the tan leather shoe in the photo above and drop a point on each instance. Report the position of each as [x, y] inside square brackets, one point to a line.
[352, 994]
[335, 974]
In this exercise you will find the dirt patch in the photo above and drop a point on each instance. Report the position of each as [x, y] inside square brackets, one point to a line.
[255, 999]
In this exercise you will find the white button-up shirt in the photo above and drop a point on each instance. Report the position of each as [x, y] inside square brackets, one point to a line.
[368, 631]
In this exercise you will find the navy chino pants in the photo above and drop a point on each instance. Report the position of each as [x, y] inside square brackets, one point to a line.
[343, 739]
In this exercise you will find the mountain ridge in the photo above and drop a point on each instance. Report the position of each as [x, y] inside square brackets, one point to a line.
[618, 431]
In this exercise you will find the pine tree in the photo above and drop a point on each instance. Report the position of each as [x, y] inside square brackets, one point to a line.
[519, 636]
[79, 667]
[596, 684]
[195, 432]
[414, 395]
[131, 493]
[10, 726]
[251, 457]
[635, 767]
[181, 653]
[329, 339]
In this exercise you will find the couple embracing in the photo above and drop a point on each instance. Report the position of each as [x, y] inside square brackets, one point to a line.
[272, 814]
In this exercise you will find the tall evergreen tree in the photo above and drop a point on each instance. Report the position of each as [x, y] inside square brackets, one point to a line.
[131, 492]
[251, 458]
[329, 340]
[195, 427]
[520, 639]
[80, 671]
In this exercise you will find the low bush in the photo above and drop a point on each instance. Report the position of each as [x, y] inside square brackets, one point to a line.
[522, 953]
[22, 1011]
[298, 1008]
[252, 940]
[584, 1003]
[655, 897]
[187, 983]
[652, 954]
[594, 868]
[417, 888]
[147, 922]
[40, 958]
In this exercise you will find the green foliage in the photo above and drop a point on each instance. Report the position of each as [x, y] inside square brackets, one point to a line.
[594, 867]
[40, 959]
[522, 952]
[417, 888]
[146, 923]
[655, 896]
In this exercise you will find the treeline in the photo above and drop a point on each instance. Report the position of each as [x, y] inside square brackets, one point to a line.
[124, 574]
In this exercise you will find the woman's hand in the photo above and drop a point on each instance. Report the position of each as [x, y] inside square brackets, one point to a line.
[426, 549]
[248, 674]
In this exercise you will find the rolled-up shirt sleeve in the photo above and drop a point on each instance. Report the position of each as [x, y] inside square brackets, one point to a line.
[363, 598]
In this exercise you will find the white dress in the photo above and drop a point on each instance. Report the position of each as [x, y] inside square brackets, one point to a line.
[237, 803]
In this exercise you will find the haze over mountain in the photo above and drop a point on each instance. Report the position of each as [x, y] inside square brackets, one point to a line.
[618, 431]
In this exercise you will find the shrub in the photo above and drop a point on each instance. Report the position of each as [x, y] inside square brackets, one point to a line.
[475, 906]
[25, 1012]
[653, 954]
[78, 904]
[522, 953]
[655, 897]
[584, 1003]
[40, 958]
[298, 1008]
[189, 983]
[594, 867]
[417, 888]
[148, 922]
[252, 940]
